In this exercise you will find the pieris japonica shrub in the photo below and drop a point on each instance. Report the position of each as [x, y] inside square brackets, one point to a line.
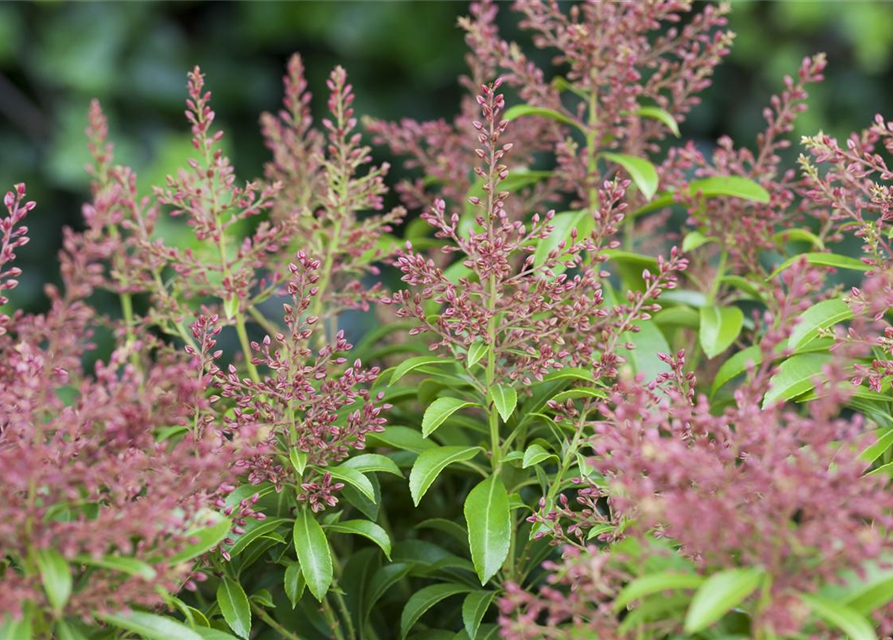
[621, 386]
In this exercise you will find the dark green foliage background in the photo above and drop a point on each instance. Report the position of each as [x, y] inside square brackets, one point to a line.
[403, 59]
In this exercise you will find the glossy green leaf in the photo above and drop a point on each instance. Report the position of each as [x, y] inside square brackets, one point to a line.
[298, 460]
[206, 537]
[383, 579]
[234, 606]
[656, 583]
[373, 462]
[439, 412]
[254, 530]
[721, 593]
[122, 564]
[823, 260]
[720, 327]
[313, 553]
[294, 583]
[56, 577]
[662, 115]
[522, 110]
[735, 366]
[715, 187]
[488, 518]
[364, 528]
[425, 598]
[431, 462]
[877, 448]
[402, 438]
[231, 306]
[63, 631]
[563, 224]
[823, 315]
[535, 454]
[150, 626]
[505, 399]
[476, 351]
[21, 629]
[795, 376]
[642, 172]
[649, 341]
[569, 373]
[209, 633]
[838, 615]
[730, 186]
[801, 235]
[414, 363]
[473, 609]
[695, 239]
[354, 478]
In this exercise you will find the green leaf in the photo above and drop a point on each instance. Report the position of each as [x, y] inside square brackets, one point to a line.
[721, 593]
[489, 523]
[735, 366]
[402, 438]
[476, 351]
[715, 187]
[431, 462]
[352, 477]
[123, 564]
[373, 462]
[440, 410]
[208, 633]
[294, 583]
[414, 363]
[855, 626]
[522, 110]
[505, 398]
[795, 376]
[823, 260]
[823, 315]
[234, 606]
[694, 240]
[649, 341]
[231, 306]
[20, 629]
[298, 460]
[720, 327]
[364, 528]
[730, 186]
[640, 170]
[802, 235]
[656, 583]
[877, 448]
[744, 285]
[254, 530]
[64, 631]
[384, 578]
[313, 553]
[206, 537]
[660, 114]
[424, 599]
[569, 373]
[56, 577]
[534, 455]
[473, 609]
[563, 224]
[150, 626]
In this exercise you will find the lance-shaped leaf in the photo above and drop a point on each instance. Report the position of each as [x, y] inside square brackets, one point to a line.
[313, 554]
[440, 410]
[234, 606]
[488, 517]
[431, 462]
[505, 399]
[720, 326]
